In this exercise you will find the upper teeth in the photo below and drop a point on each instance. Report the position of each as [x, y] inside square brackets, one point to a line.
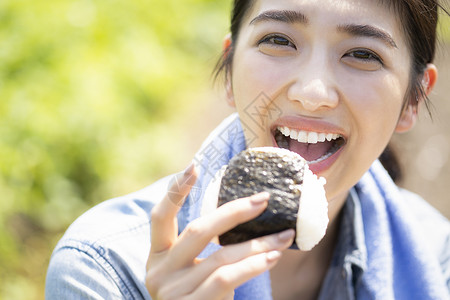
[308, 136]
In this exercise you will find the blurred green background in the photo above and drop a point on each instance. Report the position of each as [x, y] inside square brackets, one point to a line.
[91, 93]
[97, 99]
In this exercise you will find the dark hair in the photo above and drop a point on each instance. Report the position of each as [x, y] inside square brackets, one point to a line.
[419, 21]
[240, 9]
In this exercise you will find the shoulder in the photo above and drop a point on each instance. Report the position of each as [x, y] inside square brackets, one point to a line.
[105, 250]
[434, 227]
[116, 218]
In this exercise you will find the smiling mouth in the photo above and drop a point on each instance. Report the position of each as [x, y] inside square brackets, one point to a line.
[312, 146]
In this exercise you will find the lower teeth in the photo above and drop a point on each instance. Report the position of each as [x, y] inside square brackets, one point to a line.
[283, 143]
[321, 158]
[330, 152]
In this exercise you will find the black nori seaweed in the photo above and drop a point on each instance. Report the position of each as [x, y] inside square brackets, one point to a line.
[253, 171]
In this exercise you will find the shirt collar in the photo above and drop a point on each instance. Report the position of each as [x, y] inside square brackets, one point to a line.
[351, 251]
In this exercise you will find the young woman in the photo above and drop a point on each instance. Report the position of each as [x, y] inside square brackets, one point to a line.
[342, 77]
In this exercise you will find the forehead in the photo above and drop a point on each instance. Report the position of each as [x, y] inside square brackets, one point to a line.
[374, 12]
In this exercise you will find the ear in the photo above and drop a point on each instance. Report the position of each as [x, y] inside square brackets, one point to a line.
[407, 119]
[226, 44]
[226, 47]
[229, 92]
[429, 78]
[409, 116]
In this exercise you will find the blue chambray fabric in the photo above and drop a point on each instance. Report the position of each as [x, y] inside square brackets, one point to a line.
[104, 252]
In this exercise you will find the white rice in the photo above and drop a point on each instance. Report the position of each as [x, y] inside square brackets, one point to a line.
[312, 219]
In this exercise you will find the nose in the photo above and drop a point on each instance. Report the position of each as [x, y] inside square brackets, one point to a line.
[314, 88]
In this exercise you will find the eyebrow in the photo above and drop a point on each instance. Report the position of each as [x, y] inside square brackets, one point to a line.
[292, 16]
[368, 31]
[287, 16]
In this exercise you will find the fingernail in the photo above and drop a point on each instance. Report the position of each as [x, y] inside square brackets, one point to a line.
[286, 235]
[260, 198]
[189, 169]
[273, 256]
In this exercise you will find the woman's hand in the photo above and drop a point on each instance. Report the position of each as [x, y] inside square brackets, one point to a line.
[173, 269]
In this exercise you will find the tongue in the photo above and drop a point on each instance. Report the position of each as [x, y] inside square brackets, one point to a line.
[310, 152]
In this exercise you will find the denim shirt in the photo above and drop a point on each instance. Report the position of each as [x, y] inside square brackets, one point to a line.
[104, 253]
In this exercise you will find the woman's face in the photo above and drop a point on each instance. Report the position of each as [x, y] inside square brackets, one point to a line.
[325, 79]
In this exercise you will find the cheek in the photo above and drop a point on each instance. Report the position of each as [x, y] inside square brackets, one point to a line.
[377, 101]
[256, 83]
[255, 73]
[376, 109]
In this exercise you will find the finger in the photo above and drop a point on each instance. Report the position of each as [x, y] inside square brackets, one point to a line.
[164, 227]
[181, 185]
[201, 231]
[229, 277]
[232, 254]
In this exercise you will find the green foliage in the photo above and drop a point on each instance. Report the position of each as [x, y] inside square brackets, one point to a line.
[84, 87]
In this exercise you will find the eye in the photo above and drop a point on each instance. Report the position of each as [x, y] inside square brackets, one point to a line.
[276, 41]
[363, 59]
[364, 55]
